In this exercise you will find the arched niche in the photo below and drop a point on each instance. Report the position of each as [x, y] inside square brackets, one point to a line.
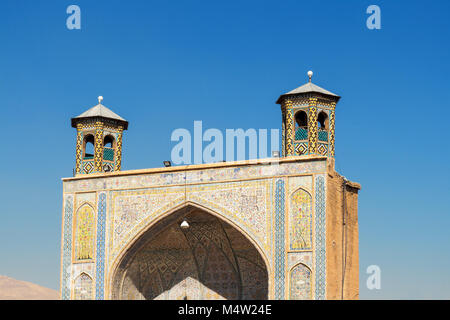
[300, 282]
[209, 259]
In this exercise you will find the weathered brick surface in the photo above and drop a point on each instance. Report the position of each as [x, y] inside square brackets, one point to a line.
[342, 237]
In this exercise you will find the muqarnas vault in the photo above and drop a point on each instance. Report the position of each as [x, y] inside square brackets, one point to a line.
[228, 230]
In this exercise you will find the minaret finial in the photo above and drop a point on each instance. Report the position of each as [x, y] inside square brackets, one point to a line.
[100, 99]
[310, 74]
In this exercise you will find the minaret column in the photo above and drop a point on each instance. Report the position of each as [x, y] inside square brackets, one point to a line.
[118, 149]
[331, 129]
[79, 148]
[283, 134]
[289, 128]
[312, 126]
[98, 147]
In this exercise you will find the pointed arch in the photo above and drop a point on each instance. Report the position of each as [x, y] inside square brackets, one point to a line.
[83, 287]
[88, 146]
[195, 258]
[300, 282]
[322, 120]
[109, 145]
[109, 141]
[301, 125]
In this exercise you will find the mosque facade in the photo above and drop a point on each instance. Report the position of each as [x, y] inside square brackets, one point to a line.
[277, 228]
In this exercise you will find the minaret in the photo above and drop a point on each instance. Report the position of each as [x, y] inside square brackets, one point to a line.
[308, 114]
[99, 140]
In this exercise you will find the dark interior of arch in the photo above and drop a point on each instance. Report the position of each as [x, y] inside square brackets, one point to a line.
[108, 141]
[322, 120]
[209, 260]
[301, 119]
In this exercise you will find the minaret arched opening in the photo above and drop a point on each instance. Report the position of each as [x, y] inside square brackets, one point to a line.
[88, 147]
[108, 148]
[322, 121]
[301, 125]
[108, 142]
[322, 126]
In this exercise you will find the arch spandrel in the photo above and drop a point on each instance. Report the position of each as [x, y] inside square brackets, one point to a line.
[250, 212]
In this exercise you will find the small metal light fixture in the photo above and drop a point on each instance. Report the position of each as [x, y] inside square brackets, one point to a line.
[184, 224]
[275, 154]
[106, 168]
[167, 163]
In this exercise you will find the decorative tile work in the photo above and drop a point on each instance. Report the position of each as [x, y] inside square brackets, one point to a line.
[247, 204]
[209, 260]
[326, 102]
[320, 241]
[300, 221]
[118, 155]
[289, 129]
[67, 248]
[83, 267]
[300, 283]
[332, 133]
[279, 239]
[311, 134]
[283, 136]
[79, 290]
[194, 176]
[108, 167]
[88, 166]
[299, 101]
[322, 149]
[301, 134]
[323, 135]
[83, 288]
[312, 127]
[301, 148]
[99, 129]
[304, 257]
[100, 261]
[84, 234]
[303, 182]
[85, 197]
[108, 154]
[79, 149]
[98, 147]
[131, 210]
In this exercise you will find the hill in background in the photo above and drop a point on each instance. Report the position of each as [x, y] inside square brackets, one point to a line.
[12, 289]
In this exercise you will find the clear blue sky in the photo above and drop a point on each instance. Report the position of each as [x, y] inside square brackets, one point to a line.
[163, 64]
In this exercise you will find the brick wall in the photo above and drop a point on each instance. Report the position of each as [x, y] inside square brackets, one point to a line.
[342, 236]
